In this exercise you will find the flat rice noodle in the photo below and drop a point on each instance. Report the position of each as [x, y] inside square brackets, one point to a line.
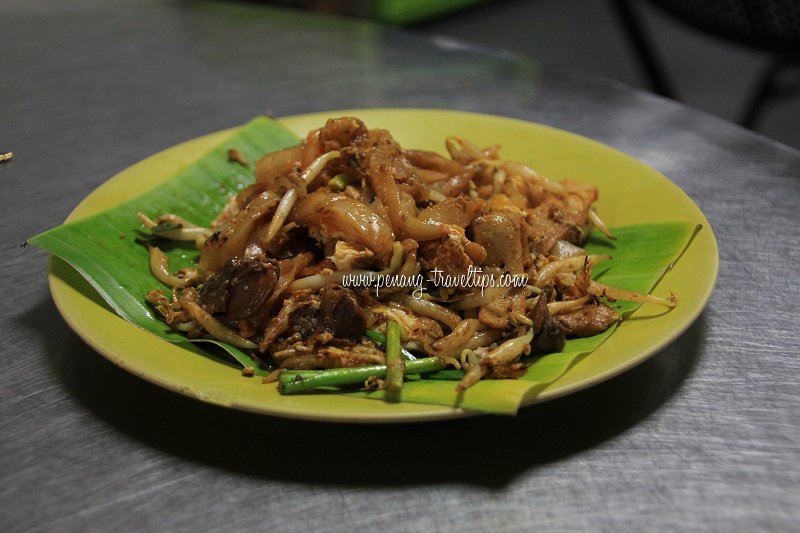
[232, 240]
[340, 216]
[384, 171]
[274, 164]
[458, 211]
[430, 160]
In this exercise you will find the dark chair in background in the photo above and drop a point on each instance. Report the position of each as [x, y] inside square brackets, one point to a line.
[771, 26]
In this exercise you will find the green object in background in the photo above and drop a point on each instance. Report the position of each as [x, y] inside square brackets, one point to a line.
[413, 11]
[401, 12]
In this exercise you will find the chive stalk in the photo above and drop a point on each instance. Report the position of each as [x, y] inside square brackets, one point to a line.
[380, 338]
[292, 381]
[395, 367]
[341, 181]
[375, 336]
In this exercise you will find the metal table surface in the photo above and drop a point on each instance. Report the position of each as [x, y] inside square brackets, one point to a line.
[703, 436]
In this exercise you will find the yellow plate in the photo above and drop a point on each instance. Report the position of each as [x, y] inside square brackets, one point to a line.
[630, 193]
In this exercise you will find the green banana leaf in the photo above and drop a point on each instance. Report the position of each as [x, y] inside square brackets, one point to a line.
[102, 249]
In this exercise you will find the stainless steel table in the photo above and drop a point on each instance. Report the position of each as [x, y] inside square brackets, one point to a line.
[703, 436]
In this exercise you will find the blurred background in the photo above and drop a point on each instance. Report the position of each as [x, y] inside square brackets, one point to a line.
[736, 59]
